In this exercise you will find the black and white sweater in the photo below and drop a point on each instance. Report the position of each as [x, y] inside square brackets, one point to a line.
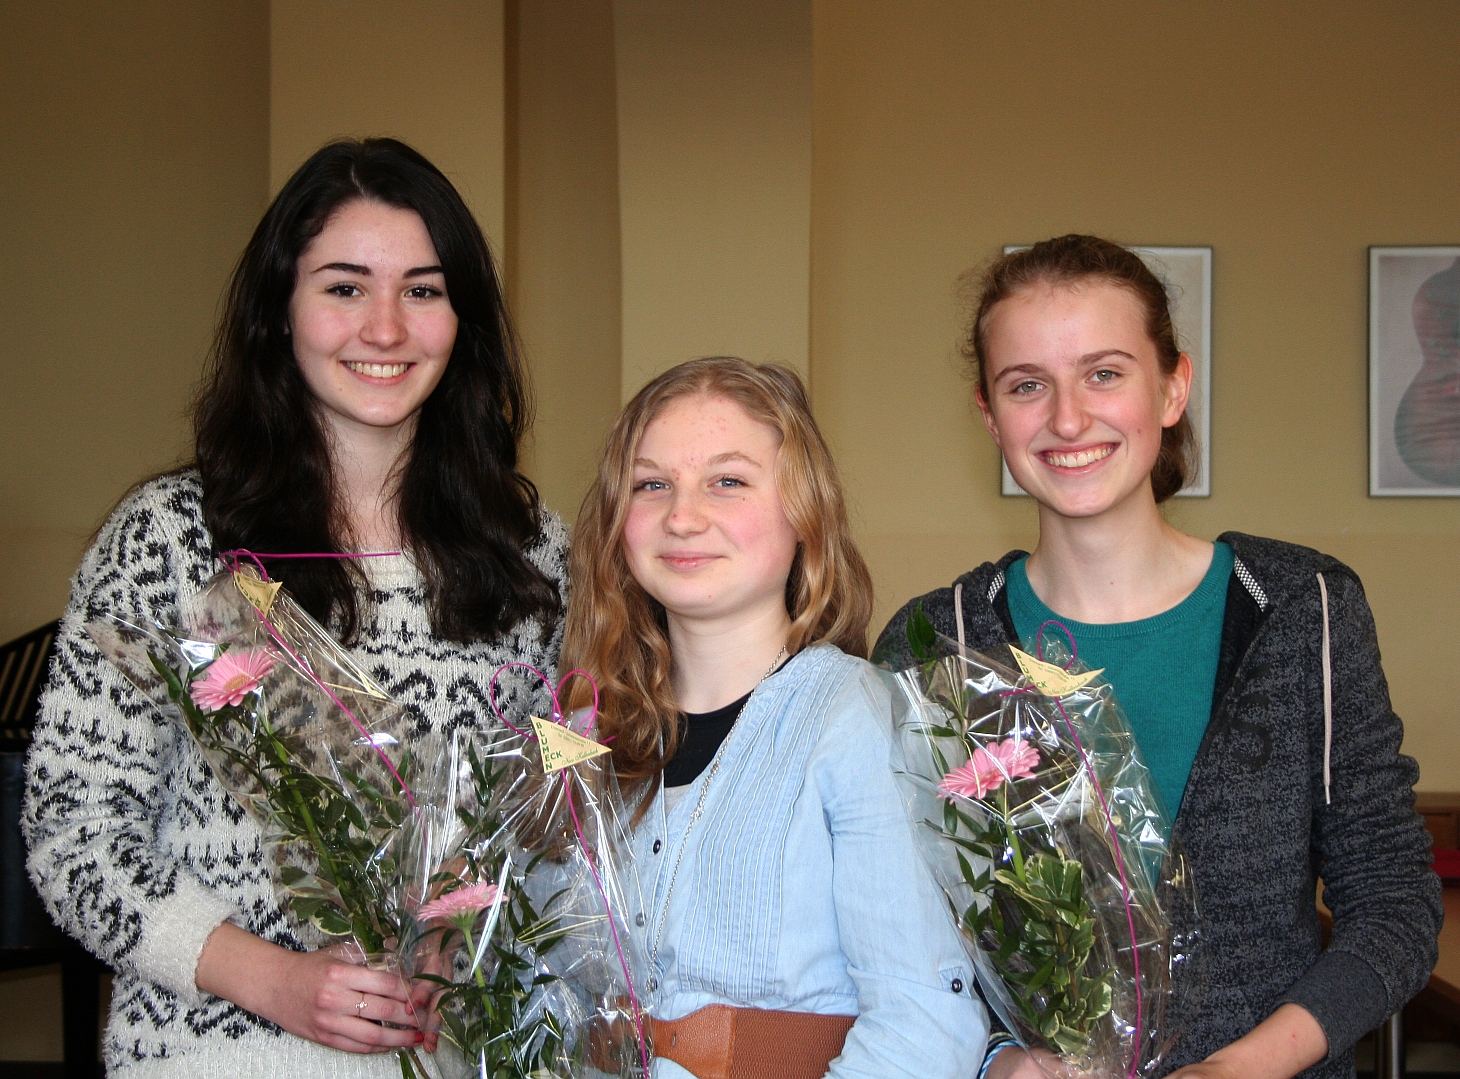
[1283, 791]
[136, 850]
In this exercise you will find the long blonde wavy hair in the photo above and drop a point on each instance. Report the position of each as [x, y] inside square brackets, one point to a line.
[618, 632]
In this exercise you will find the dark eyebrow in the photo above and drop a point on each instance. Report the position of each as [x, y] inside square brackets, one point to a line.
[1085, 360]
[1019, 369]
[364, 271]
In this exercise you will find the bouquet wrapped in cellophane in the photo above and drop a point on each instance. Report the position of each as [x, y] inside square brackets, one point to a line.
[298, 733]
[1046, 832]
[461, 858]
[517, 859]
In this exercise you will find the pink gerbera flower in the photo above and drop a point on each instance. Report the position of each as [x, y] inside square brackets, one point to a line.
[230, 678]
[988, 768]
[462, 901]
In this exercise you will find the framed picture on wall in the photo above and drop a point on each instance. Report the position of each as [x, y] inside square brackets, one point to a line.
[1187, 275]
[1414, 371]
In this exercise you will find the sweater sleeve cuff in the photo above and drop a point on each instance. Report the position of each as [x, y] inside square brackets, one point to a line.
[1345, 994]
[173, 937]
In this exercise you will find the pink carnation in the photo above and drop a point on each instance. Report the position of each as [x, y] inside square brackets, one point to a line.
[988, 768]
[462, 901]
[230, 678]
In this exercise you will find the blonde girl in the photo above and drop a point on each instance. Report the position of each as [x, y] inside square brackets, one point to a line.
[788, 926]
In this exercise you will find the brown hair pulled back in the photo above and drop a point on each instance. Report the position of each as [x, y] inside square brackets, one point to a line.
[1076, 260]
[618, 632]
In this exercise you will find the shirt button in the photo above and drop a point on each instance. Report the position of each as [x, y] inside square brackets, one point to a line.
[957, 986]
[653, 985]
[639, 919]
[658, 846]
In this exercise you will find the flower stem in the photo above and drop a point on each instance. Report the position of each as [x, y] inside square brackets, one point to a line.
[465, 926]
[365, 935]
[1009, 831]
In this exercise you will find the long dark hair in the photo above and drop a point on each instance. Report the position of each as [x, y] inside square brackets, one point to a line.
[464, 510]
[1070, 260]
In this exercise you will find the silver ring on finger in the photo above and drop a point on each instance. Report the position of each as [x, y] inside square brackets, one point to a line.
[360, 1008]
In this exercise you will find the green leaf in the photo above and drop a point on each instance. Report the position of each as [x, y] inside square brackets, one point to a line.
[330, 921]
[922, 638]
[1040, 976]
[290, 875]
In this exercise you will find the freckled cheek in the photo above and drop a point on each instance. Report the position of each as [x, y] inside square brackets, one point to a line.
[438, 336]
[1017, 426]
[638, 535]
[764, 534]
[318, 335]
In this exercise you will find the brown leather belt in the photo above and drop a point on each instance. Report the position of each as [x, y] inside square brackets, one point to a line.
[721, 1042]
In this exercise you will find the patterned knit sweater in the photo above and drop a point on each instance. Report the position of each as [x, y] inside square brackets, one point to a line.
[136, 850]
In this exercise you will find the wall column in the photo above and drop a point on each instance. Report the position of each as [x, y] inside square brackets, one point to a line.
[714, 136]
[429, 74]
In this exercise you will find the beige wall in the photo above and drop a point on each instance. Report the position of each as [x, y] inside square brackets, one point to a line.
[714, 133]
[431, 74]
[609, 146]
[136, 164]
[563, 250]
[1287, 136]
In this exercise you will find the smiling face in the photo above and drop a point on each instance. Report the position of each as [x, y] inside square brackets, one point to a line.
[370, 319]
[1076, 397]
[706, 533]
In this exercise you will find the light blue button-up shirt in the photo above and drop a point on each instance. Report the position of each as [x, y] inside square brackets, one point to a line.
[800, 887]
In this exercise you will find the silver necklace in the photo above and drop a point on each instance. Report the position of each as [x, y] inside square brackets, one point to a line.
[698, 810]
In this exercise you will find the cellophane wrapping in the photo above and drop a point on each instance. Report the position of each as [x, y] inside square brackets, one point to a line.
[516, 911]
[1048, 836]
[325, 789]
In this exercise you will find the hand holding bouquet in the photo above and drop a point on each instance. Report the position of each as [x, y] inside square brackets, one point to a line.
[466, 856]
[1044, 829]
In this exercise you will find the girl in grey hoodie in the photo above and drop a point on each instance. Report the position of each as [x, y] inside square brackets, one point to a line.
[1249, 669]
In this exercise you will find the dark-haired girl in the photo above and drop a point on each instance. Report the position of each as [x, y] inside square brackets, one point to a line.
[366, 397]
[1248, 667]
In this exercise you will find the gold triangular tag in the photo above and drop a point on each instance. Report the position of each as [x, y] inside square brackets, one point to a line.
[561, 748]
[1049, 679]
[260, 593]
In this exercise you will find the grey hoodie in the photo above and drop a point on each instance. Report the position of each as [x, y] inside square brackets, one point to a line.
[1282, 793]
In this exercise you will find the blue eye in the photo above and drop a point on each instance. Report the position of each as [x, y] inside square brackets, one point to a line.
[729, 481]
[651, 485]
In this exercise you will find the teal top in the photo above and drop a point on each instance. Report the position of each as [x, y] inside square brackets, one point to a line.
[1163, 669]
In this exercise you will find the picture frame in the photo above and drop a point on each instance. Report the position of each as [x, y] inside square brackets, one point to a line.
[1187, 274]
[1414, 371]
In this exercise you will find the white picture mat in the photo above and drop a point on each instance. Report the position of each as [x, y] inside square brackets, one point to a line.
[1187, 274]
[1395, 275]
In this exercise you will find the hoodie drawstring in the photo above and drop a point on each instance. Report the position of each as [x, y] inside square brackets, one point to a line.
[958, 618]
[1327, 696]
[1327, 679]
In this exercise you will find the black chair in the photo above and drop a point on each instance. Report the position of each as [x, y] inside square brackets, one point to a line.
[28, 938]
